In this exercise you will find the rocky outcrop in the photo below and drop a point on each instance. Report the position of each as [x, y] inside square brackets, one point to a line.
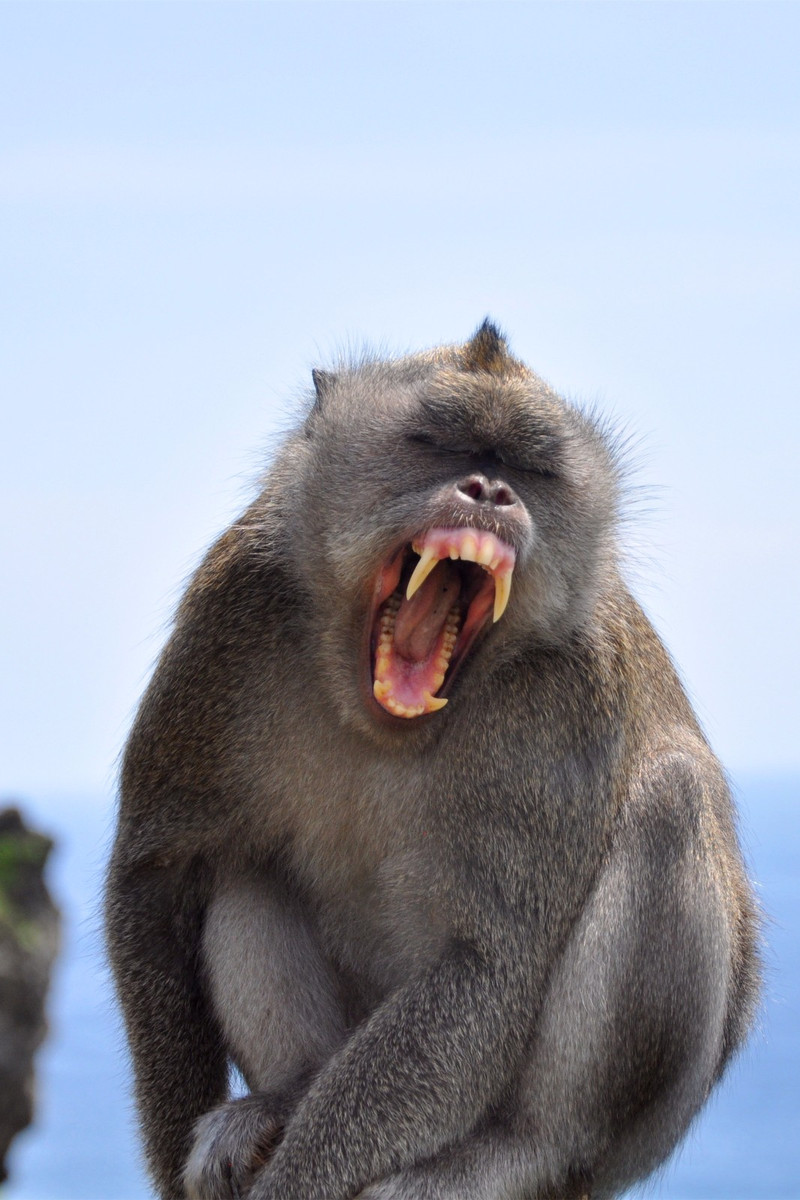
[28, 945]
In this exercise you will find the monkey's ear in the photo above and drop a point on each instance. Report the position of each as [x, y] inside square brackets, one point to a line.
[323, 382]
[486, 350]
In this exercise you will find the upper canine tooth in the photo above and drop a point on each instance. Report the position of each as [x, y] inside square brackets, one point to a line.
[502, 590]
[428, 560]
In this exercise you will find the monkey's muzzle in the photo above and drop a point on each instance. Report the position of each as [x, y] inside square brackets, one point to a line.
[432, 599]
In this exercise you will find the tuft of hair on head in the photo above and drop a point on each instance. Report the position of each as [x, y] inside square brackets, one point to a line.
[487, 350]
[323, 382]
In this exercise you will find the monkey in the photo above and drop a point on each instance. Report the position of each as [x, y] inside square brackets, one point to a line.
[418, 830]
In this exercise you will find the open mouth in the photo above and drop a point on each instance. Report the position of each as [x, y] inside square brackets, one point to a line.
[432, 599]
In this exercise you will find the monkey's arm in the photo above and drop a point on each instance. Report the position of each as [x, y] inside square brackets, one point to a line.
[181, 778]
[153, 921]
[419, 1073]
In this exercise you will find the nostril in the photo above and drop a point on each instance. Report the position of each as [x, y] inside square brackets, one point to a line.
[503, 495]
[475, 486]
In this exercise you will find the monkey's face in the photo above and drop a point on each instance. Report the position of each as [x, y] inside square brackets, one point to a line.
[453, 515]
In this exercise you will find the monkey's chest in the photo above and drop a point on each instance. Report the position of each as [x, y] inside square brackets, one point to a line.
[388, 926]
[365, 857]
[380, 919]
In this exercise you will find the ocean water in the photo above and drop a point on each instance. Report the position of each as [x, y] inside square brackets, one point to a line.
[745, 1146]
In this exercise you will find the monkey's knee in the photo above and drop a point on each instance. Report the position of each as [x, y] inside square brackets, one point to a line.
[275, 995]
[631, 1035]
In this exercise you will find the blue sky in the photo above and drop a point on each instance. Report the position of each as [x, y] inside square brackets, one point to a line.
[199, 202]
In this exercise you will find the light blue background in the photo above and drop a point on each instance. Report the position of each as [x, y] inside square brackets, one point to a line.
[199, 202]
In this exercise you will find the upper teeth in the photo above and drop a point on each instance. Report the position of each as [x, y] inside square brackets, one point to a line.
[488, 551]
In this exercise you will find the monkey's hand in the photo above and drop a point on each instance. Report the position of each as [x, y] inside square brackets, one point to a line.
[231, 1144]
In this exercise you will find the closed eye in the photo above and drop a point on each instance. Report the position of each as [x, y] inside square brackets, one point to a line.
[486, 459]
[431, 443]
[542, 470]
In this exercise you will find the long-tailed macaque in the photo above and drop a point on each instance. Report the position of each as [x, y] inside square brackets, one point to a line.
[418, 828]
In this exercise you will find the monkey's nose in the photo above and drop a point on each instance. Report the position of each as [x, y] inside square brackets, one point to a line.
[487, 491]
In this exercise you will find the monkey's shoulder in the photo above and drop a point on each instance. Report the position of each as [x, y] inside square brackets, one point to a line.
[629, 660]
[244, 570]
[229, 631]
[238, 607]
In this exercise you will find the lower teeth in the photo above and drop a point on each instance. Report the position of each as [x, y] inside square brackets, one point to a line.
[383, 655]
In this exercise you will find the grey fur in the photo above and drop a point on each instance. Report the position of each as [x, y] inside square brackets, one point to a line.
[503, 950]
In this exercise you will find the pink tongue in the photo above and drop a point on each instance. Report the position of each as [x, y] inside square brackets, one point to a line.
[420, 619]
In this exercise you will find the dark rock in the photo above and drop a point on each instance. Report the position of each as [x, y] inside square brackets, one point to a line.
[28, 945]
